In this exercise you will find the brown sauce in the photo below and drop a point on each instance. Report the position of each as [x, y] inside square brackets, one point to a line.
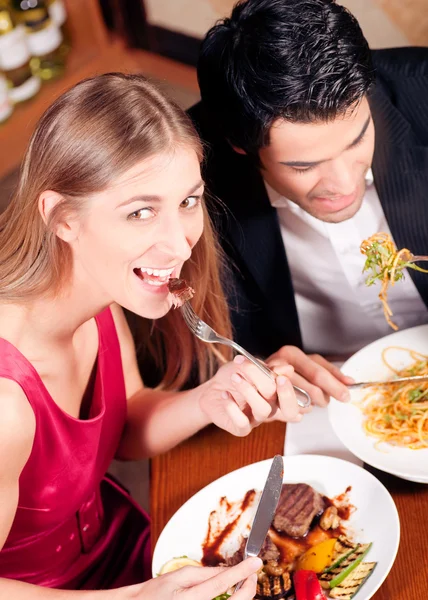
[290, 548]
[211, 548]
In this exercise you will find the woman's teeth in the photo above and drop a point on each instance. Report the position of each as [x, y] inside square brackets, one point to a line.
[157, 277]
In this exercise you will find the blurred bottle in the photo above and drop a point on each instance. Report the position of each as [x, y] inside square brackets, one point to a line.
[44, 38]
[6, 107]
[15, 58]
[58, 14]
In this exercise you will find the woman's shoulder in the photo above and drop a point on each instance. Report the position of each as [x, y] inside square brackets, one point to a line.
[17, 423]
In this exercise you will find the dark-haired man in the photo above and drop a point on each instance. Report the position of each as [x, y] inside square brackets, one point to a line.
[314, 143]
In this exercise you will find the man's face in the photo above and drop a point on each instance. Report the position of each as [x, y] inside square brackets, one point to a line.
[321, 166]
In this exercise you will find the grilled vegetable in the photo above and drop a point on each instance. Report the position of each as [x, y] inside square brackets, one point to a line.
[351, 584]
[273, 587]
[336, 575]
[318, 557]
[342, 549]
[306, 586]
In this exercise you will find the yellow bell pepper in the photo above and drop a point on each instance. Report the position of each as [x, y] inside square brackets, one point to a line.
[318, 557]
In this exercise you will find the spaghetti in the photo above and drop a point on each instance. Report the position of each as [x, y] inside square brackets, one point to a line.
[385, 263]
[398, 414]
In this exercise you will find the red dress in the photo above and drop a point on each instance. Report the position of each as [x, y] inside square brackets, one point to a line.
[74, 527]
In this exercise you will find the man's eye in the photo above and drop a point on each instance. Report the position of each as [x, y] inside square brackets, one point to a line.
[142, 214]
[191, 202]
[303, 169]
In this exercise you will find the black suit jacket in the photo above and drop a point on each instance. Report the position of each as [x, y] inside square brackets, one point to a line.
[259, 285]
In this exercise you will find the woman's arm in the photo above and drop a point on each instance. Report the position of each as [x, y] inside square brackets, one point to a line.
[18, 590]
[156, 420]
[17, 430]
[237, 398]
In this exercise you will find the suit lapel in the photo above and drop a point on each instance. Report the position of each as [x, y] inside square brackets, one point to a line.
[400, 169]
[253, 231]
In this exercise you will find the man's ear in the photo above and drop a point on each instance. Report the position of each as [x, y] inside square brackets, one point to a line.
[67, 229]
[238, 150]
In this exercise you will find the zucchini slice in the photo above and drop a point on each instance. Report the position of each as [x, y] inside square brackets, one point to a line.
[342, 549]
[353, 582]
[337, 575]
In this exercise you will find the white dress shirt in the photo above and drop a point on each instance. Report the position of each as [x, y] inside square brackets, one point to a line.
[338, 313]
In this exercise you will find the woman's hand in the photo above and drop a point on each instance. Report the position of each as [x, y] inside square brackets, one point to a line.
[240, 396]
[312, 373]
[201, 583]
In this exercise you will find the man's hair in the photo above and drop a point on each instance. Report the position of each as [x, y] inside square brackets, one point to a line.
[300, 60]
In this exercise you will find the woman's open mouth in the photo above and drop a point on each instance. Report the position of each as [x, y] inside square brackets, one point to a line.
[154, 277]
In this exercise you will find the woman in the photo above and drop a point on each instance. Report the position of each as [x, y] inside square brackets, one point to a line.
[109, 206]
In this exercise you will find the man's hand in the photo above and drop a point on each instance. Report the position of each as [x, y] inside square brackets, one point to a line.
[313, 373]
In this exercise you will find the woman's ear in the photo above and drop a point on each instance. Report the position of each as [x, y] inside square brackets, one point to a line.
[66, 230]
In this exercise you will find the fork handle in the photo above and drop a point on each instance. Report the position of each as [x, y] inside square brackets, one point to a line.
[304, 401]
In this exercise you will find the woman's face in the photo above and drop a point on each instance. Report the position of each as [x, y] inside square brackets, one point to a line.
[136, 235]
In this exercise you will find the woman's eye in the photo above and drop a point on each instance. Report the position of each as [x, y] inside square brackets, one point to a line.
[142, 214]
[191, 202]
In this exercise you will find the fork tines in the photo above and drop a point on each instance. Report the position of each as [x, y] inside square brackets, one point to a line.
[191, 318]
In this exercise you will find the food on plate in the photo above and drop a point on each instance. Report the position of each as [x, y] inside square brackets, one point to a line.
[317, 558]
[352, 584]
[307, 546]
[178, 563]
[343, 566]
[386, 264]
[297, 507]
[180, 290]
[306, 586]
[398, 414]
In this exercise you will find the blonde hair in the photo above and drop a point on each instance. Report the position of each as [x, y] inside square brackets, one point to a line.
[90, 136]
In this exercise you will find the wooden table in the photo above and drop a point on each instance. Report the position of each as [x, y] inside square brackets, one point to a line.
[180, 473]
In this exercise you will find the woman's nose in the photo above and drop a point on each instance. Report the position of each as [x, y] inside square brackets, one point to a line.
[175, 241]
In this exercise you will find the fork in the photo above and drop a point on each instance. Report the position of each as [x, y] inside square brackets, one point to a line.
[360, 384]
[205, 333]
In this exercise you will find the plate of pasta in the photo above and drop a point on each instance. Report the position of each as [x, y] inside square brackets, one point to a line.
[387, 426]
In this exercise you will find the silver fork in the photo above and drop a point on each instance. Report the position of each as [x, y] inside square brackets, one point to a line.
[205, 333]
[362, 384]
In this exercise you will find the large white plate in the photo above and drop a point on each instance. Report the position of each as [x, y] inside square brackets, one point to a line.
[347, 419]
[376, 518]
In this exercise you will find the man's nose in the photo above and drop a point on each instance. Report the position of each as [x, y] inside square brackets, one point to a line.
[341, 178]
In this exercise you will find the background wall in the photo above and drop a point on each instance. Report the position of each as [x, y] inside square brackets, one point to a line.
[384, 22]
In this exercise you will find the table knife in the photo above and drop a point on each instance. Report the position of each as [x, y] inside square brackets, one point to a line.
[265, 510]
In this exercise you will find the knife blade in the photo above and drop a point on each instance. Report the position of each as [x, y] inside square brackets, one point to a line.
[265, 510]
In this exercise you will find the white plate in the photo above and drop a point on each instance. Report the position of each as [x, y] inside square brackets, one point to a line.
[347, 419]
[375, 520]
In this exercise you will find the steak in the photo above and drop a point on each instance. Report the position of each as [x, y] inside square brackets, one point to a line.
[237, 557]
[180, 291]
[269, 551]
[298, 504]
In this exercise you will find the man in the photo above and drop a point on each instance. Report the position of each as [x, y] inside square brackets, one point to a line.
[299, 117]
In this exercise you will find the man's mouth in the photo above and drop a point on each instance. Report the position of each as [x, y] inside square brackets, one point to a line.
[152, 276]
[337, 203]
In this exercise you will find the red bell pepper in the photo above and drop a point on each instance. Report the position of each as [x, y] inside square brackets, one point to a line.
[307, 586]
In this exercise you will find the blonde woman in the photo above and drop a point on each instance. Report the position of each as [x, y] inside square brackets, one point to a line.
[108, 207]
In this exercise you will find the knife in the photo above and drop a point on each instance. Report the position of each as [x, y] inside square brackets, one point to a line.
[265, 510]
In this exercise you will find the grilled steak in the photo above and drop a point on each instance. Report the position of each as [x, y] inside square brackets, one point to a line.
[180, 291]
[269, 551]
[298, 504]
[236, 558]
